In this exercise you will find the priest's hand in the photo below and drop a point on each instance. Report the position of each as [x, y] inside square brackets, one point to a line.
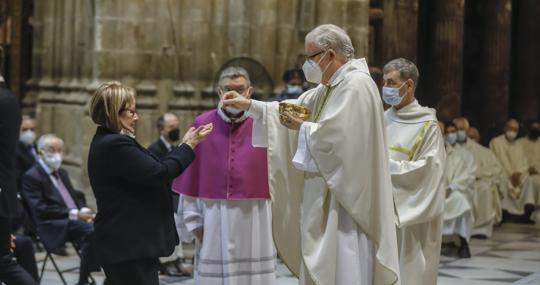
[532, 170]
[196, 135]
[515, 179]
[233, 99]
[199, 233]
[289, 121]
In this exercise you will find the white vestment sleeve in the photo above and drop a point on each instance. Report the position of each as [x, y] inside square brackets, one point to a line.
[257, 111]
[190, 217]
[464, 174]
[302, 159]
[417, 182]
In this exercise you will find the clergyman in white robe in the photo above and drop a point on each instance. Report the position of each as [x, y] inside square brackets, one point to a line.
[532, 148]
[487, 195]
[460, 175]
[512, 158]
[417, 161]
[333, 213]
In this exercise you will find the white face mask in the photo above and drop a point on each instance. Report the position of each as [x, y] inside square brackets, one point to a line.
[233, 111]
[53, 160]
[230, 110]
[313, 71]
[27, 137]
[391, 95]
[511, 135]
[461, 136]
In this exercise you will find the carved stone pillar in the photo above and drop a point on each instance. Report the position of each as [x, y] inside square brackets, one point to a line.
[443, 63]
[399, 36]
[526, 74]
[495, 67]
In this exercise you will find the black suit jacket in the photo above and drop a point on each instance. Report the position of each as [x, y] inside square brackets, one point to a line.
[10, 122]
[25, 160]
[159, 149]
[135, 214]
[48, 210]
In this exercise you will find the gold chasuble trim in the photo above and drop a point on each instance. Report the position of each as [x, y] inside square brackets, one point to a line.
[417, 141]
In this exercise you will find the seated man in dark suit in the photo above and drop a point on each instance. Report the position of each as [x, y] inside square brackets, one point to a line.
[26, 157]
[26, 150]
[169, 134]
[57, 209]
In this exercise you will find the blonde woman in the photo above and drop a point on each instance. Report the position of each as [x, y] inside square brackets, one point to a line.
[134, 225]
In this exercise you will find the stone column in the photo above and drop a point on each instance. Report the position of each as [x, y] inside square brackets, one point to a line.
[400, 29]
[263, 36]
[525, 73]
[445, 78]
[289, 41]
[16, 47]
[495, 65]
[356, 24]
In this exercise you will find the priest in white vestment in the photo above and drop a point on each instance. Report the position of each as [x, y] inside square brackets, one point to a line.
[460, 177]
[531, 146]
[519, 190]
[417, 160]
[486, 198]
[333, 212]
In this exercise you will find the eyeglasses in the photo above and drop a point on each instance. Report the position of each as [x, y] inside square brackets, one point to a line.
[239, 90]
[314, 55]
[132, 112]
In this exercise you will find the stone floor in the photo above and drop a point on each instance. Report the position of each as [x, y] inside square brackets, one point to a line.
[511, 256]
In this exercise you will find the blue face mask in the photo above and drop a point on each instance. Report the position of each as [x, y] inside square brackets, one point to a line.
[294, 89]
[451, 138]
[461, 136]
[391, 95]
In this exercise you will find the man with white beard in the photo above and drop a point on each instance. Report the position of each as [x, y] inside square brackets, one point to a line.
[519, 192]
[417, 159]
[333, 212]
[460, 177]
[486, 201]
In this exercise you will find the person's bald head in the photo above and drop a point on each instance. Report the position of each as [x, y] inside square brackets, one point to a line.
[473, 134]
[462, 124]
[512, 125]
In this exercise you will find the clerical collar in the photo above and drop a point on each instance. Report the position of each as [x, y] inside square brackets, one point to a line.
[405, 109]
[166, 143]
[336, 79]
[227, 119]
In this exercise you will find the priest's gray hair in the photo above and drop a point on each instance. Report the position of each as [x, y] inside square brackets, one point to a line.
[407, 69]
[45, 141]
[330, 36]
[233, 72]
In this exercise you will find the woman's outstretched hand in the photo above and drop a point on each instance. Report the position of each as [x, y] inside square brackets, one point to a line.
[196, 135]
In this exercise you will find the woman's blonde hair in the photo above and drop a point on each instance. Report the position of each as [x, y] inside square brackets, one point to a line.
[109, 100]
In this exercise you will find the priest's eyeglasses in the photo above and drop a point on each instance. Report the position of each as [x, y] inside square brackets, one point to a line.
[314, 55]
